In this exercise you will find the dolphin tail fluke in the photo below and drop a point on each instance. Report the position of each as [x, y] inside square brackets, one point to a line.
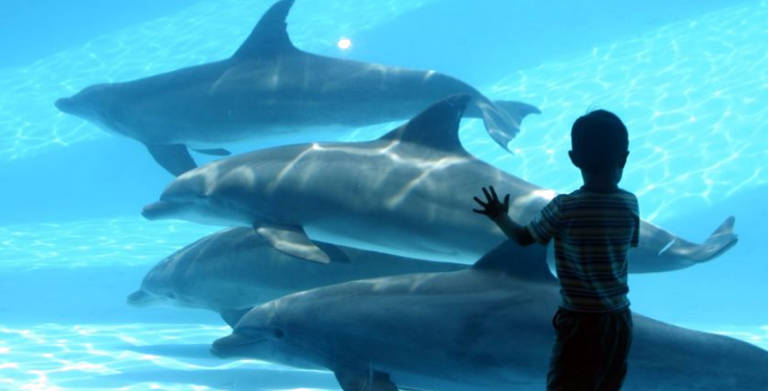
[502, 118]
[174, 158]
[662, 251]
[720, 241]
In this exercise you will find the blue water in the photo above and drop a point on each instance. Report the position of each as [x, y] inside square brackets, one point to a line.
[689, 79]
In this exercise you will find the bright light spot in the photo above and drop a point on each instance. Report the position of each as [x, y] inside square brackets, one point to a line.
[545, 194]
[344, 43]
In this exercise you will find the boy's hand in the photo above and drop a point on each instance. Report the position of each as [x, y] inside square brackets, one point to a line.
[492, 207]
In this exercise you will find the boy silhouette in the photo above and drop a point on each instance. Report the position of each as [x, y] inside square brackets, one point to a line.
[593, 229]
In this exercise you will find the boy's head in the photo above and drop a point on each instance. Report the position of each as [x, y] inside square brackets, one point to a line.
[599, 142]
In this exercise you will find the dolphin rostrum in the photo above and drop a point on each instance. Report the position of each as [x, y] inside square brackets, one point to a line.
[236, 269]
[407, 193]
[267, 88]
[487, 328]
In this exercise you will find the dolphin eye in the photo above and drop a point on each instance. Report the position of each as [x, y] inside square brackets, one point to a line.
[279, 333]
[171, 295]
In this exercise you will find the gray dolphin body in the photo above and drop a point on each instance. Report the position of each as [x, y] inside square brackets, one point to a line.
[267, 88]
[408, 193]
[485, 328]
[236, 269]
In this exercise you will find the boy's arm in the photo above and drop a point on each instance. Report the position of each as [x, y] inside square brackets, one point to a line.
[497, 212]
[514, 230]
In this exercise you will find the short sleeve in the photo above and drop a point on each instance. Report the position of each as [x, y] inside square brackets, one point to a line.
[546, 225]
[636, 235]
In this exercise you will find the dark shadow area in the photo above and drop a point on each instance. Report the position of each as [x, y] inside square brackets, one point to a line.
[481, 41]
[31, 29]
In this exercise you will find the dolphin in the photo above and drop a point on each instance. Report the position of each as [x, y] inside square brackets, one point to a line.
[407, 193]
[485, 328]
[235, 269]
[268, 88]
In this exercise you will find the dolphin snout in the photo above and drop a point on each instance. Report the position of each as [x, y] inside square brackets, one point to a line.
[66, 105]
[229, 346]
[140, 299]
[160, 209]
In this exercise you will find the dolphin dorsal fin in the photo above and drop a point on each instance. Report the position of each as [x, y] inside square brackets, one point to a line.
[270, 35]
[526, 262]
[233, 316]
[436, 127]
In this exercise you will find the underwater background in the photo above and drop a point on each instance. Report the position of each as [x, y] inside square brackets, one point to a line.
[689, 78]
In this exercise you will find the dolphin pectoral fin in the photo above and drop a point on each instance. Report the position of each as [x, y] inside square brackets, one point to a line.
[364, 381]
[720, 241]
[214, 151]
[173, 157]
[335, 253]
[294, 242]
[502, 119]
[233, 316]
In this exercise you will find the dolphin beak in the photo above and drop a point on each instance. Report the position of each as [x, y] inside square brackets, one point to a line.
[69, 106]
[66, 105]
[230, 345]
[160, 209]
[140, 299]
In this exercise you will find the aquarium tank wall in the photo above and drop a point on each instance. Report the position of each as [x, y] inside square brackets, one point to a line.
[278, 195]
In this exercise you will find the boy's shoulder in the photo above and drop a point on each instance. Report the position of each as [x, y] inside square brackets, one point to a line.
[628, 194]
[578, 195]
[580, 192]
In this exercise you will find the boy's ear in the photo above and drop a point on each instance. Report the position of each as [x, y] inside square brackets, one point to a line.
[574, 158]
[623, 160]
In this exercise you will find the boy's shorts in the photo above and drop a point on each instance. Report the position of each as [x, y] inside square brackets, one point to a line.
[590, 352]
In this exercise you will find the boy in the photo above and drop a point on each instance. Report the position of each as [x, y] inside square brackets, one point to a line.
[593, 228]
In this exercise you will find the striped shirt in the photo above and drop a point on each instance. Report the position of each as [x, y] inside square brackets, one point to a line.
[592, 233]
